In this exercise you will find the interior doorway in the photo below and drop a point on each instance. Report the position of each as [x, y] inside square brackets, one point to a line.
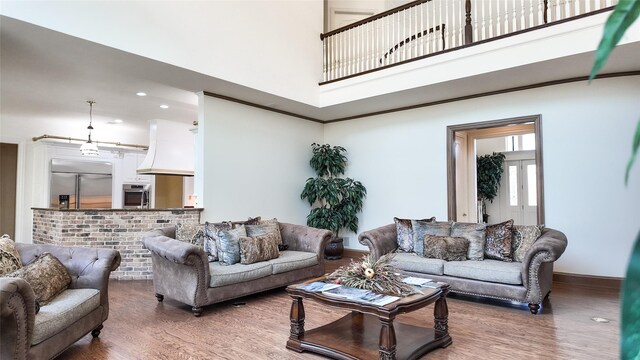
[521, 192]
[8, 181]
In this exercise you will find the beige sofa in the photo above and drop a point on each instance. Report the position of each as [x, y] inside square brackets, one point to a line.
[525, 282]
[80, 309]
[182, 271]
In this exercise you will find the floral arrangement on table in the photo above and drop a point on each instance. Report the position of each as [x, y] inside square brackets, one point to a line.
[378, 276]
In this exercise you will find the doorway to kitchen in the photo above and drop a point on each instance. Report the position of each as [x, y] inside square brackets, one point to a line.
[520, 195]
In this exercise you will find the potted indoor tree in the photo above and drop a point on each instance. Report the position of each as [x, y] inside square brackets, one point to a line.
[489, 172]
[335, 201]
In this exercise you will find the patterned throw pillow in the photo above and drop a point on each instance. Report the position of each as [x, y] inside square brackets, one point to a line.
[265, 227]
[9, 256]
[211, 231]
[405, 233]
[229, 245]
[447, 248]
[523, 238]
[46, 275]
[253, 221]
[499, 239]
[191, 233]
[424, 228]
[259, 248]
[476, 234]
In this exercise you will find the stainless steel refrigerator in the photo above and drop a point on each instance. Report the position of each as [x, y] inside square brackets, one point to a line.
[87, 183]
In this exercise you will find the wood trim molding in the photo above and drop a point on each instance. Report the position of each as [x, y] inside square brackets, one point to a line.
[483, 125]
[606, 282]
[427, 104]
[263, 107]
[487, 93]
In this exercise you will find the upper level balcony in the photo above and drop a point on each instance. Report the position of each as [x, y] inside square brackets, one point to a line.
[424, 28]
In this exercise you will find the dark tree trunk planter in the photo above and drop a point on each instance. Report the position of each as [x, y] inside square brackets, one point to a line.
[334, 249]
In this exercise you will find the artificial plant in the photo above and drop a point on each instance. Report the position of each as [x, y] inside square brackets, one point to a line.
[625, 14]
[489, 173]
[336, 201]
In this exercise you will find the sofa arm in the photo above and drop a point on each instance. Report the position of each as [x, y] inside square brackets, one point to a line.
[179, 252]
[546, 249]
[380, 241]
[17, 316]
[305, 238]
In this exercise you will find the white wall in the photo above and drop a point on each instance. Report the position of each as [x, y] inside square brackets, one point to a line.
[255, 162]
[587, 132]
[278, 39]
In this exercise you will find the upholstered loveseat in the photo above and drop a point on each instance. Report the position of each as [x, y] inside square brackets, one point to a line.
[182, 270]
[528, 281]
[80, 309]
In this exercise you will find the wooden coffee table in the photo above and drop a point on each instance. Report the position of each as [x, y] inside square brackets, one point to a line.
[369, 332]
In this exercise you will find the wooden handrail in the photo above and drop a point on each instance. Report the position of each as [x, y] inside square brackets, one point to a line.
[414, 37]
[373, 18]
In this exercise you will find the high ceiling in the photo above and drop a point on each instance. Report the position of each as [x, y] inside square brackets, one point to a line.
[46, 75]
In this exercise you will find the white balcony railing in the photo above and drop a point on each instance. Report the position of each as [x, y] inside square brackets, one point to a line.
[424, 27]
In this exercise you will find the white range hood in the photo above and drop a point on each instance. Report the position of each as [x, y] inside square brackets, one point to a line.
[171, 149]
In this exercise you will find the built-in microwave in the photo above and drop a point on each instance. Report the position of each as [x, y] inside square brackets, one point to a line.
[135, 196]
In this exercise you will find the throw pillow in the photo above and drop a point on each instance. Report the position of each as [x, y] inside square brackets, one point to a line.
[46, 275]
[253, 221]
[191, 233]
[211, 231]
[423, 228]
[405, 233]
[475, 233]
[259, 248]
[9, 256]
[523, 238]
[229, 245]
[265, 227]
[447, 248]
[499, 239]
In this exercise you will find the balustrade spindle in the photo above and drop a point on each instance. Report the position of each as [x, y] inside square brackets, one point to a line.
[484, 22]
[558, 11]
[567, 9]
[514, 25]
[576, 8]
[522, 17]
[498, 22]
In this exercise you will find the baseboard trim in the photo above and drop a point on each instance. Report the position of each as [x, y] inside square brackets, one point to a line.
[589, 280]
[354, 254]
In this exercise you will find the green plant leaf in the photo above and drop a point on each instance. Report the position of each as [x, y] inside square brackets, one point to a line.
[631, 307]
[624, 14]
[634, 153]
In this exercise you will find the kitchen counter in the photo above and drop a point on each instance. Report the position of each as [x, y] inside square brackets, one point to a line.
[119, 229]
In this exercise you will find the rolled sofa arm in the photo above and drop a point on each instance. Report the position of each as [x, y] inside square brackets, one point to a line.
[380, 241]
[305, 238]
[17, 316]
[548, 248]
[174, 250]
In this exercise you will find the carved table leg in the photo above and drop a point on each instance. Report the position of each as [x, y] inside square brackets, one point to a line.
[297, 319]
[387, 343]
[441, 315]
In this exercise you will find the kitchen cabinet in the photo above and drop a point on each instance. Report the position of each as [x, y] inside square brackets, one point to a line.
[129, 165]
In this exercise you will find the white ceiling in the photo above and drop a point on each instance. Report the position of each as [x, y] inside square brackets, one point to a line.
[49, 75]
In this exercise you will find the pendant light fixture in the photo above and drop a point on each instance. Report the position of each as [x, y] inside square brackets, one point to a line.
[89, 148]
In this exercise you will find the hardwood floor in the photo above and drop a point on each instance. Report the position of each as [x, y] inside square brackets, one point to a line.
[141, 328]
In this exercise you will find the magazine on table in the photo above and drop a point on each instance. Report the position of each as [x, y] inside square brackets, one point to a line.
[360, 295]
[318, 286]
[422, 282]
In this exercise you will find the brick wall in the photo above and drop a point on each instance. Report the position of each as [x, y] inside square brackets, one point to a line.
[117, 229]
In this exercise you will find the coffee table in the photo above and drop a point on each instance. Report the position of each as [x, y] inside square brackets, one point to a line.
[369, 332]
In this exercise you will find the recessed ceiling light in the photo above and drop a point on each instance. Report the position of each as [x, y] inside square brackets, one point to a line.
[117, 121]
[164, 106]
[141, 93]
